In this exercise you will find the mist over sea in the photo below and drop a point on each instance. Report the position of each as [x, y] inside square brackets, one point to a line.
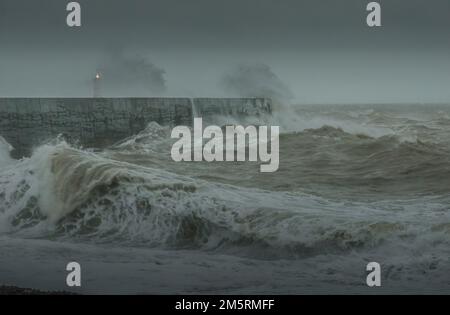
[356, 183]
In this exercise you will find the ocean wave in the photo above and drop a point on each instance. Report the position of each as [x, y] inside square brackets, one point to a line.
[324, 198]
[5, 150]
[69, 194]
[148, 139]
[411, 160]
[331, 161]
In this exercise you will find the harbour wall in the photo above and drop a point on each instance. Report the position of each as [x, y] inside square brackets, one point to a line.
[26, 123]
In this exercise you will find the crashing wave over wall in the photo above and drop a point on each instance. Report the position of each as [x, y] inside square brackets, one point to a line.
[26, 123]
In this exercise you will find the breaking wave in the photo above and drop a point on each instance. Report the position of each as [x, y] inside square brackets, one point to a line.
[110, 196]
[65, 193]
[5, 150]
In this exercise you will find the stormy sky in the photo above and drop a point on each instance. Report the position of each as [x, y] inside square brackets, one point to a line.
[314, 51]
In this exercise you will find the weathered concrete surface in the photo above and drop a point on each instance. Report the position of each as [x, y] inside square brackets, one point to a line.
[97, 122]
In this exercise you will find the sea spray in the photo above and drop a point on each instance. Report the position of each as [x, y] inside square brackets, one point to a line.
[5, 150]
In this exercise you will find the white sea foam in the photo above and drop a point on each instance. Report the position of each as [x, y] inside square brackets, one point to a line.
[296, 121]
[71, 194]
[5, 150]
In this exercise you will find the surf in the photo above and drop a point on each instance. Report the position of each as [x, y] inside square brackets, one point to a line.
[325, 198]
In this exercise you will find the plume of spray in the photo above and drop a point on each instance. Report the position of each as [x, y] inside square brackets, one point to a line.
[5, 150]
[258, 80]
[131, 76]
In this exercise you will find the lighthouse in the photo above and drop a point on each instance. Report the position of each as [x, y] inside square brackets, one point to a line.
[96, 84]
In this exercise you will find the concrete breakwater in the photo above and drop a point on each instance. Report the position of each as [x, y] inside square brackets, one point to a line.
[98, 122]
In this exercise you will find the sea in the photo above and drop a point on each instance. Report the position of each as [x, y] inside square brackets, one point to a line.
[356, 184]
